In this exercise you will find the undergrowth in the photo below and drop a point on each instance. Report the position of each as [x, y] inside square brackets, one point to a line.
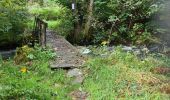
[123, 76]
[119, 76]
[32, 78]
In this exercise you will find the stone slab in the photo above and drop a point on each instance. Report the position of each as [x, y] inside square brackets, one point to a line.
[67, 55]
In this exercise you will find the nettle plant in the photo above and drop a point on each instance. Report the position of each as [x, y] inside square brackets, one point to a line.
[125, 20]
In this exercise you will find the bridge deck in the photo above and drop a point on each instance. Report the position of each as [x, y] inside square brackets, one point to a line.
[67, 55]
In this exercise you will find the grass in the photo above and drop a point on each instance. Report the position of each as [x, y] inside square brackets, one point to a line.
[123, 76]
[34, 80]
[120, 76]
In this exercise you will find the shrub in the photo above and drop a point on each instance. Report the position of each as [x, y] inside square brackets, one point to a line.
[128, 19]
[13, 16]
[25, 54]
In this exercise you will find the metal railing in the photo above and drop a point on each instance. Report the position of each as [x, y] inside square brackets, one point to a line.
[39, 31]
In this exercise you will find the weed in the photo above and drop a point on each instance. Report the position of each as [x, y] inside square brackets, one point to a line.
[34, 80]
[123, 76]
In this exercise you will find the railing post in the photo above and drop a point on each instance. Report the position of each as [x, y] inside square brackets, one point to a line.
[43, 35]
[40, 31]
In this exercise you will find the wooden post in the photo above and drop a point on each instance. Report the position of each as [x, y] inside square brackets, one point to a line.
[43, 36]
[40, 31]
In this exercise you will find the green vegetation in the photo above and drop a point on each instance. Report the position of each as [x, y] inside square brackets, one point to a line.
[33, 79]
[125, 22]
[116, 21]
[57, 16]
[123, 76]
[13, 17]
[120, 76]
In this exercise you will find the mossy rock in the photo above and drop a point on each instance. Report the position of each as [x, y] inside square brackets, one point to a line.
[22, 54]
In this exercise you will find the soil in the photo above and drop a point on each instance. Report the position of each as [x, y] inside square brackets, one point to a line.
[161, 70]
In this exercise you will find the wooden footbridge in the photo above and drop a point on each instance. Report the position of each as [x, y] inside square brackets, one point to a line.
[67, 55]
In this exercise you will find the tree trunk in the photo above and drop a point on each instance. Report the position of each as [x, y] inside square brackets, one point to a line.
[88, 22]
[77, 27]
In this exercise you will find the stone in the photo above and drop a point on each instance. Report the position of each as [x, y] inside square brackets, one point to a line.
[78, 80]
[111, 48]
[86, 51]
[126, 48]
[145, 50]
[104, 55]
[79, 95]
[83, 50]
[137, 51]
[74, 72]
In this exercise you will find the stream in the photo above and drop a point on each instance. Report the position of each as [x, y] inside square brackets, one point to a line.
[6, 54]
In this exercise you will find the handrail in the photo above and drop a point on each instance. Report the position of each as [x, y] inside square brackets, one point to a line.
[39, 32]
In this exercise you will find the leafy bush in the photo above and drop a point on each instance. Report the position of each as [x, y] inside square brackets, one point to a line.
[13, 16]
[25, 54]
[128, 19]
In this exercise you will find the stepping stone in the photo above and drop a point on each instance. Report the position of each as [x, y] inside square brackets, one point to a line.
[77, 74]
[79, 95]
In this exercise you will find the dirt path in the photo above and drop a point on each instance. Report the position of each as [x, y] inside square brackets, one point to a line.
[67, 55]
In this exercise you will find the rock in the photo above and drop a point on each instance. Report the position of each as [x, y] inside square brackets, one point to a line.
[74, 72]
[77, 74]
[145, 50]
[137, 51]
[126, 48]
[104, 55]
[84, 50]
[78, 80]
[79, 95]
[111, 48]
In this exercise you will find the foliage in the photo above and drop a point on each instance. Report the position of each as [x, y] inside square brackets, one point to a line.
[128, 19]
[121, 75]
[115, 20]
[57, 16]
[25, 53]
[22, 53]
[13, 16]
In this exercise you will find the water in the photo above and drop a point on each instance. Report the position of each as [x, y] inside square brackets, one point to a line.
[7, 54]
